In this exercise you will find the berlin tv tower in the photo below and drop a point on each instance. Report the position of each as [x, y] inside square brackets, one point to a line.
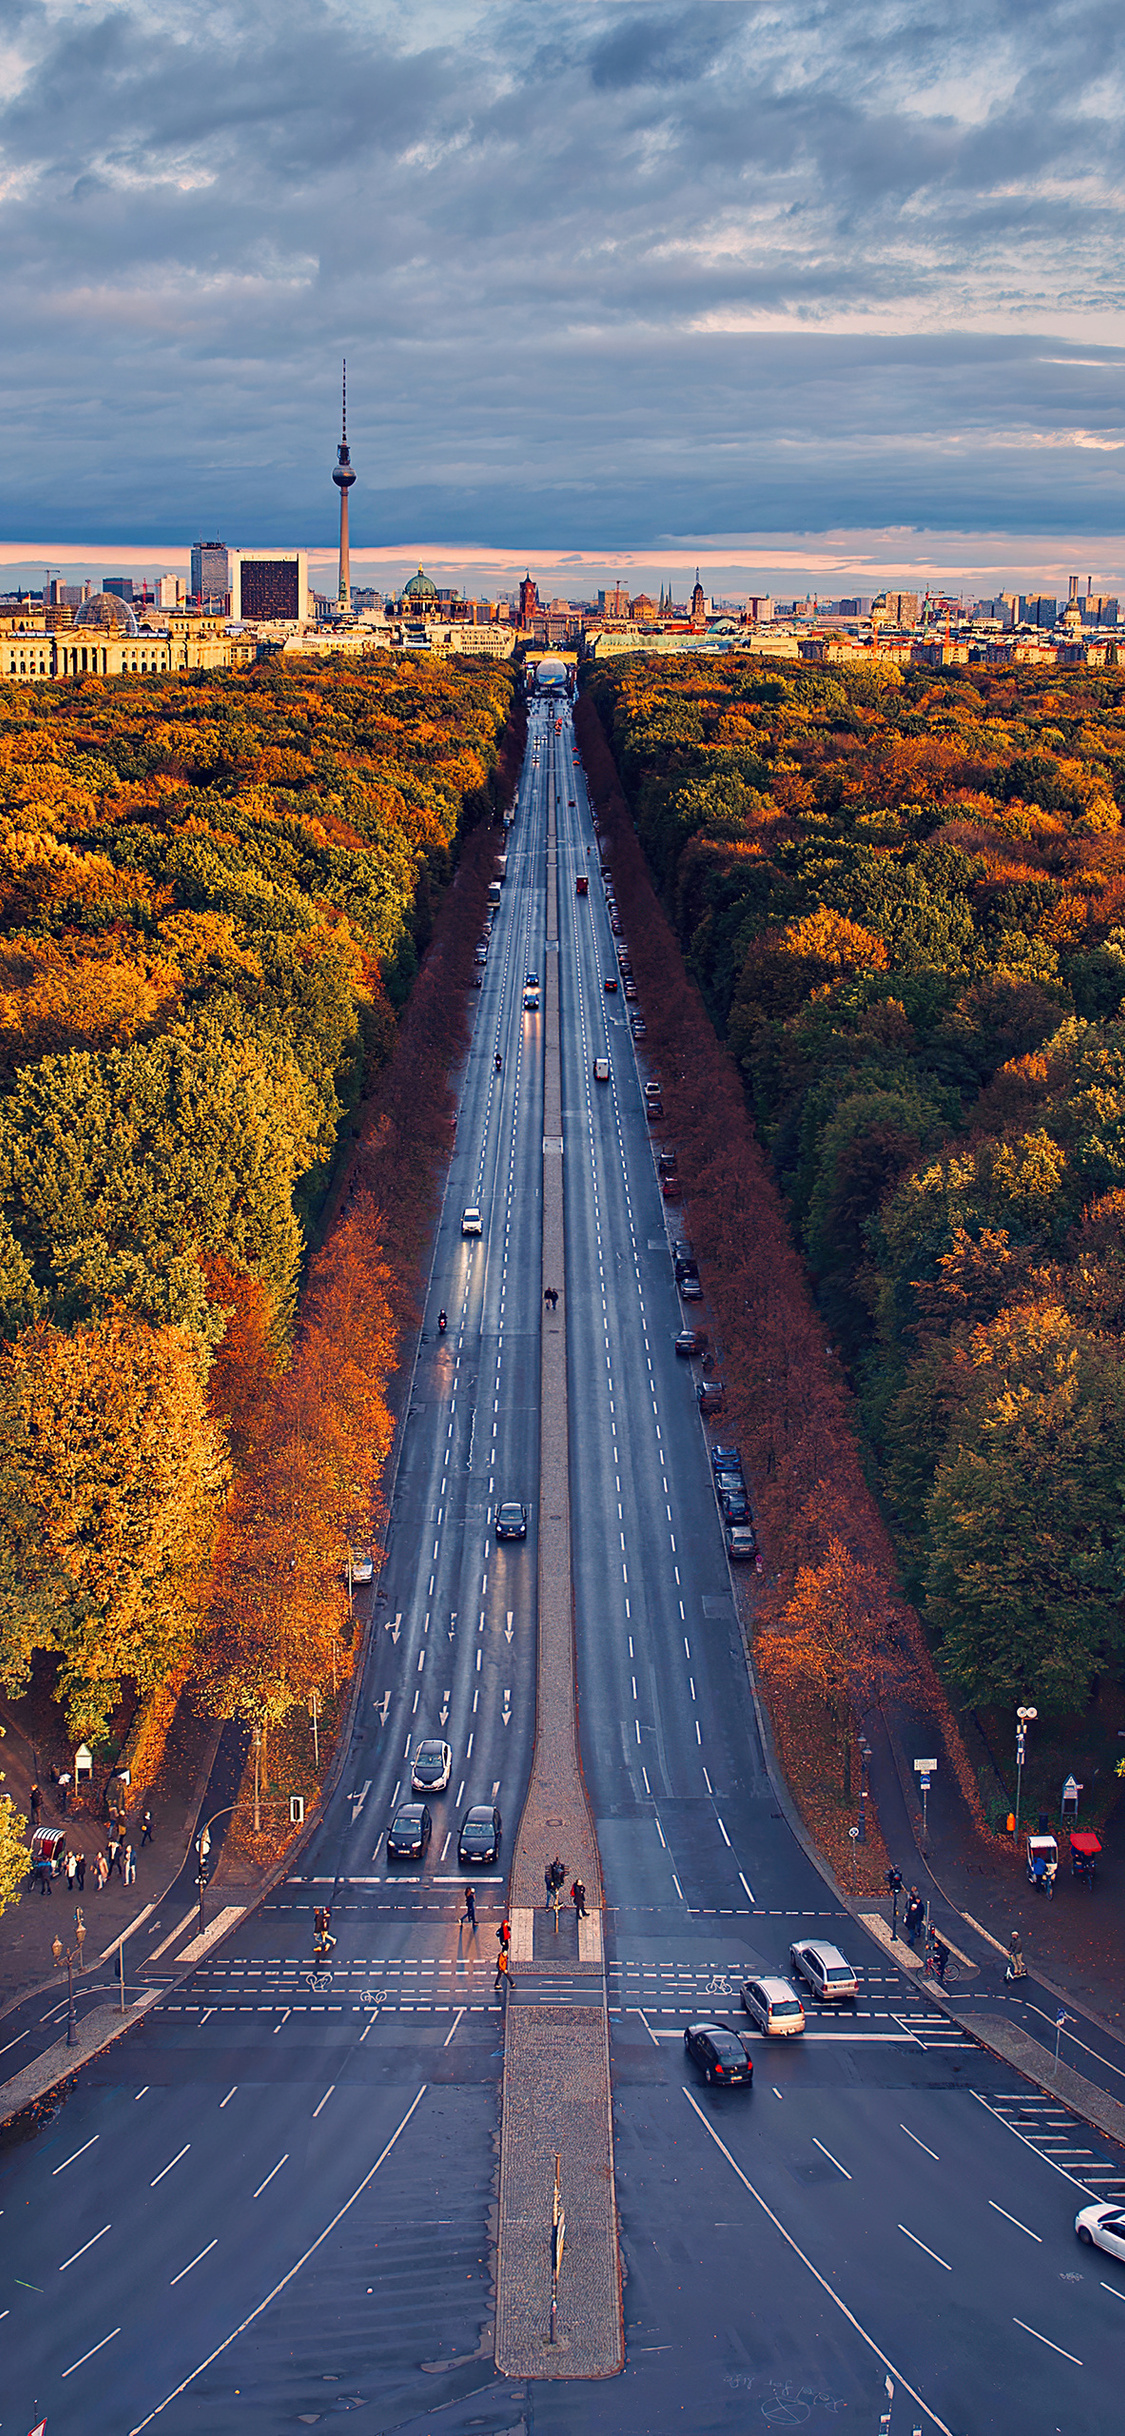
[343, 475]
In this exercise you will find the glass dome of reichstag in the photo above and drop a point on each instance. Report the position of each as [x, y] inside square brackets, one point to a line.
[108, 612]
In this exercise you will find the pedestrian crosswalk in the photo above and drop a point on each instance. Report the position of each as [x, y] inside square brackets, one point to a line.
[1065, 2144]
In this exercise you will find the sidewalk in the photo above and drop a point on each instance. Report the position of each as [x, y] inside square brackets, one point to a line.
[28, 1927]
[1076, 1942]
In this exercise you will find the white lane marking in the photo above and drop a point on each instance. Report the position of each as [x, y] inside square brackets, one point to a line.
[460, 2016]
[660, 1832]
[749, 1889]
[165, 1942]
[1014, 2220]
[1117, 2293]
[88, 2355]
[140, 2093]
[324, 2101]
[723, 1832]
[924, 2245]
[166, 2169]
[930, 2152]
[274, 2169]
[825, 2287]
[1041, 2338]
[87, 2245]
[194, 2262]
[678, 1887]
[1033, 2145]
[826, 2152]
[79, 2152]
[226, 2101]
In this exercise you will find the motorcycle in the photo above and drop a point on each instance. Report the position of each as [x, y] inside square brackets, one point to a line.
[441, 1323]
[499, 1061]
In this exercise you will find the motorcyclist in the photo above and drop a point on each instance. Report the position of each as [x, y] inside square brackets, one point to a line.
[499, 1061]
[442, 1323]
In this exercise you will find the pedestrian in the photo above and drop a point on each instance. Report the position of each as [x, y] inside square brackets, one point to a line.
[130, 1866]
[578, 1898]
[915, 1915]
[43, 1873]
[102, 1867]
[64, 1794]
[939, 1954]
[71, 1870]
[469, 1915]
[36, 1804]
[146, 1828]
[80, 1872]
[501, 1980]
[114, 1857]
[504, 1934]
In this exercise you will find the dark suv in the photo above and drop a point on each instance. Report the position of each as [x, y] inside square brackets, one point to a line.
[479, 1841]
[409, 1833]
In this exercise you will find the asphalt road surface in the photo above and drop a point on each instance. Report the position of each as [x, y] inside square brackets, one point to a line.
[273, 2202]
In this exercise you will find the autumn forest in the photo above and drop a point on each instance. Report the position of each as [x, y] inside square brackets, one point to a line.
[214, 895]
[903, 898]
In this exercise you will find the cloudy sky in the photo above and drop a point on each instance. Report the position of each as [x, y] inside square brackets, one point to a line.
[799, 288]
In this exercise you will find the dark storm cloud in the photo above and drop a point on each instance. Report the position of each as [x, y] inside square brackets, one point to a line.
[634, 269]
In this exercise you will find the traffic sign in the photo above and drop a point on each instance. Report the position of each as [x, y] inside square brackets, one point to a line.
[925, 1767]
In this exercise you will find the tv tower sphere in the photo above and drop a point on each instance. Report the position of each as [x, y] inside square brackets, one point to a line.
[343, 475]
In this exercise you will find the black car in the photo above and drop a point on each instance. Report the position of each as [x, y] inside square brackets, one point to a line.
[734, 1504]
[511, 1522]
[479, 1841]
[692, 1340]
[685, 1267]
[718, 2051]
[666, 1166]
[409, 1833]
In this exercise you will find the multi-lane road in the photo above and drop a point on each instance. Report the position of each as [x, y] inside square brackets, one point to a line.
[274, 2200]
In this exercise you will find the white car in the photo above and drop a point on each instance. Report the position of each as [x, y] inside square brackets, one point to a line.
[1103, 2227]
[471, 1222]
[775, 2006]
[431, 1768]
[823, 1969]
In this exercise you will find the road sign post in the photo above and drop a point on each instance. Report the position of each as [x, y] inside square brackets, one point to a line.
[558, 2237]
[924, 1770]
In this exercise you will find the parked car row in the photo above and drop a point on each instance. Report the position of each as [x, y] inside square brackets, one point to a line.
[734, 1503]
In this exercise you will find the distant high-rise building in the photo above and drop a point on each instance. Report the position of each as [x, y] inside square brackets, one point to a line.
[269, 585]
[896, 609]
[120, 585]
[614, 602]
[210, 574]
[1037, 609]
[169, 591]
[343, 476]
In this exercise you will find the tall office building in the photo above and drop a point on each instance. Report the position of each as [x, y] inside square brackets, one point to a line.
[269, 585]
[210, 574]
[343, 476]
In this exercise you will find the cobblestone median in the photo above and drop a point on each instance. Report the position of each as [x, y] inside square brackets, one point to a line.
[556, 2090]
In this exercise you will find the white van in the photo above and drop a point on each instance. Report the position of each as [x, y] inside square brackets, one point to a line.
[601, 1069]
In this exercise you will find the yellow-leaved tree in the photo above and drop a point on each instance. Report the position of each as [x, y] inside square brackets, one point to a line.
[112, 1474]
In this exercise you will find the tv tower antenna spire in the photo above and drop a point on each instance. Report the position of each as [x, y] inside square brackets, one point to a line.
[343, 474]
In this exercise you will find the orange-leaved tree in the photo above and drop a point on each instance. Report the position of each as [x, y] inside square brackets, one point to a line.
[839, 1642]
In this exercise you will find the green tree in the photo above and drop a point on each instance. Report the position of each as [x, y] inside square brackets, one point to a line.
[1026, 1518]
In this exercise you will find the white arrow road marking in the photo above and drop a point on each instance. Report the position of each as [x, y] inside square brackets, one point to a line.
[394, 1628]
[508, 1627]
[445, 1700]
[382, 1707]
[357, 1800]
[506, 1711]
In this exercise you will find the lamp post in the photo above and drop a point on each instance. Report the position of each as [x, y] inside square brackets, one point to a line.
[1024, 1718]
[71, 1955]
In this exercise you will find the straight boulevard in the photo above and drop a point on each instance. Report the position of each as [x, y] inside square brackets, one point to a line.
[310, 2170]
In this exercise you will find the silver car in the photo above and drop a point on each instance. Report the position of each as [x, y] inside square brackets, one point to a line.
[774, 2006]
[823, 1969]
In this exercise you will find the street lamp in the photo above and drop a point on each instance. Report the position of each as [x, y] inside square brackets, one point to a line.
[1024, 1718]
[71, 1955]
[202, 1848]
